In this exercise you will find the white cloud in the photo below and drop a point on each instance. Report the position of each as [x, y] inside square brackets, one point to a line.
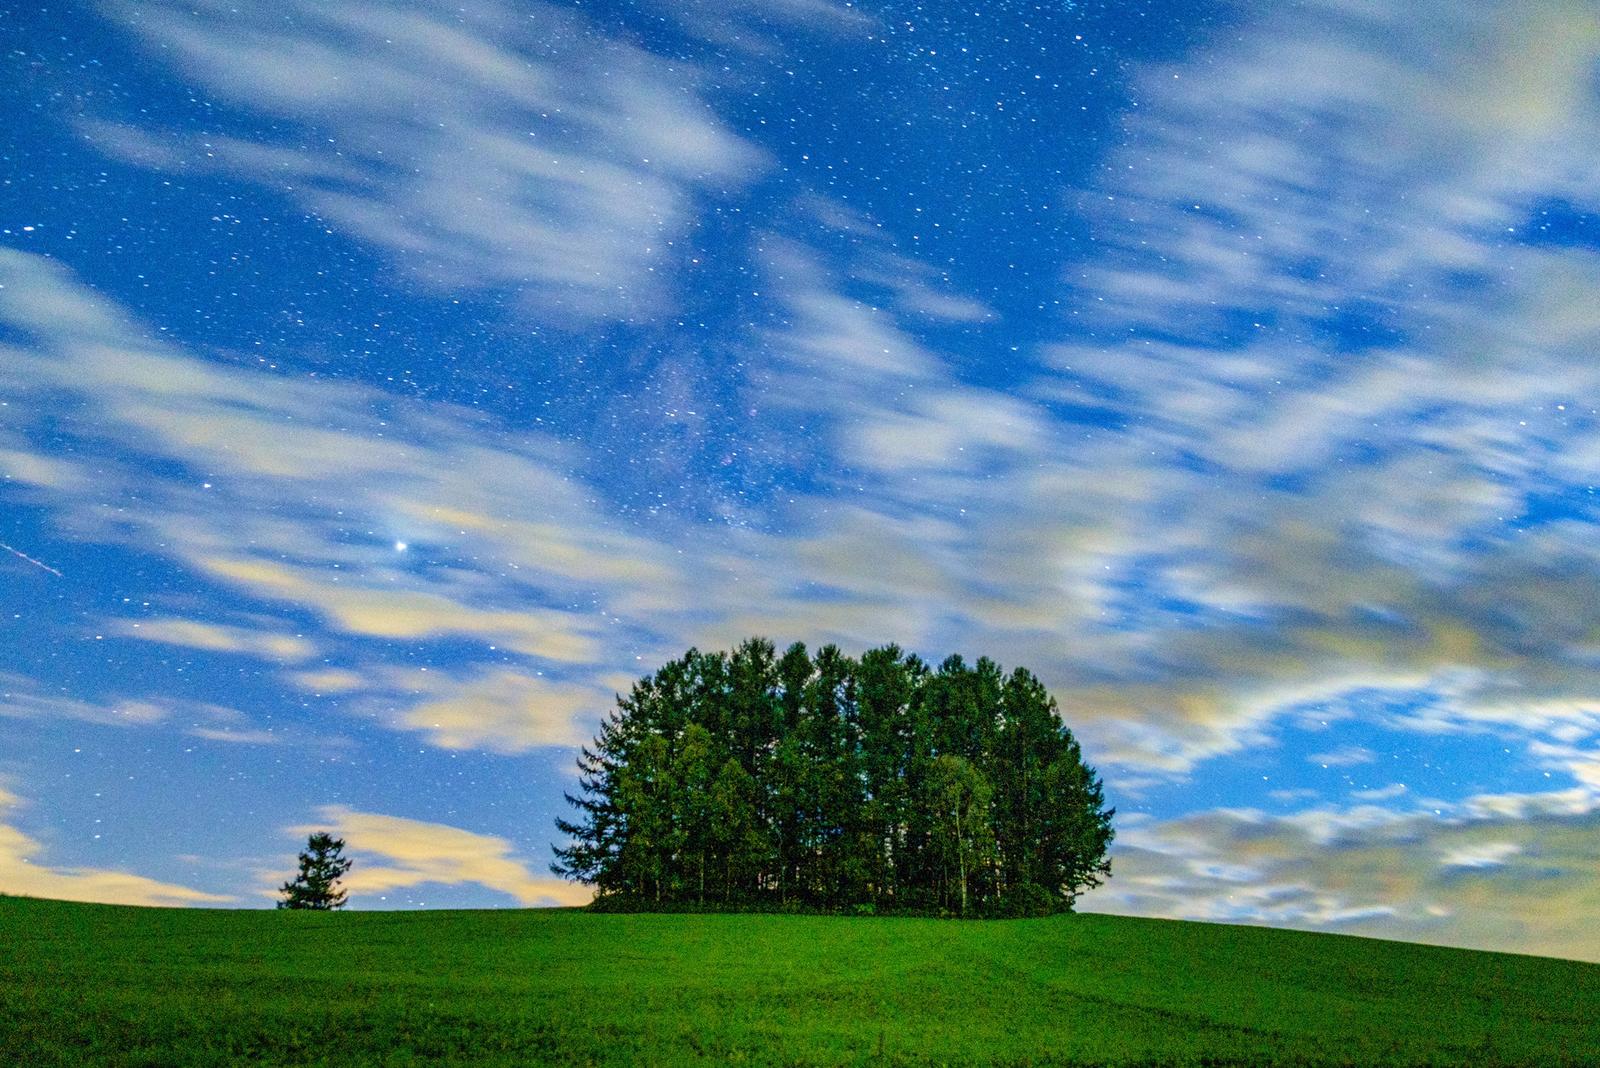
[1343, 757]
[22, 697]
[272, 516]
[499, 710]
[1515, 873]
[1267, 520]
[392, 853]
[516, 149]
[1481, 855]
[24, 872]
[217, 637]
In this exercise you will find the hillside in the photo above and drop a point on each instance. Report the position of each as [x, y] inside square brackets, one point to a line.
[122, 986]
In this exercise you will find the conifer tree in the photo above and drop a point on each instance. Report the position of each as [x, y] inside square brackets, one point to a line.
[322, 865]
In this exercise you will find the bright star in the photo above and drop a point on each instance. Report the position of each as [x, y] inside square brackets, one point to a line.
[400, 546]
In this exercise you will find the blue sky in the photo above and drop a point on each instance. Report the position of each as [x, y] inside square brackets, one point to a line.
[383, 386]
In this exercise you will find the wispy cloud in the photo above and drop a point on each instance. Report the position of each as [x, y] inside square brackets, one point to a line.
[1301, 477]
[22, 697]
[493, 709]
[1508, 872]
[530, 565]
[24, 870]
[217, 637]
[392, 853]
[278, 445]
[515, 149]
[1344, 757]
[1481, 855]
[26, 698]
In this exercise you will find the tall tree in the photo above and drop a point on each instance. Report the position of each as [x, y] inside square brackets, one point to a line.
[735, 834]
[1076, 825]
[316, 886]
[883, 698]
[963, 838]
[645, 797]
[593, 851]
[693, 779]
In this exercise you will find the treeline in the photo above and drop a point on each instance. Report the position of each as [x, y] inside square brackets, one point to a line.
[826, 782]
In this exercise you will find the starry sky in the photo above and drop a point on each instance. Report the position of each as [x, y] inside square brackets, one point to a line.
[385, 385]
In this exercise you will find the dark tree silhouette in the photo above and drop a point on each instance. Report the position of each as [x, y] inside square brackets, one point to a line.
[322, 865]
[752, 779]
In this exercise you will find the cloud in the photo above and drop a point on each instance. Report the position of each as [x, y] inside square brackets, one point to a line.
[22, 697]
[507, 711]
[217, 637]
[1343, 757]
[1293, 455]
[498, 710]
[409, 614]
[1515, 872]
[1482, 855]
[519, 150]
[1343, 410]
[268, 512]
[1381, 793]
[22, 872]
[38, 471]
[392, 853]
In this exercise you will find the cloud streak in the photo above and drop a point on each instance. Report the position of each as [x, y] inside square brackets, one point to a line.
[1515, 872]
[514, 150]
[402, 854]
[24, 872]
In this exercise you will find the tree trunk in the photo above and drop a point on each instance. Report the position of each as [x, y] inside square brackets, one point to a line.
[961, 863]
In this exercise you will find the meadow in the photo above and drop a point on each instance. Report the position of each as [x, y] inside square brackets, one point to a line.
[105, 985]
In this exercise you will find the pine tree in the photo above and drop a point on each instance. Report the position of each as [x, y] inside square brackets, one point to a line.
[1077, 825]
[593, 852]
[322, 865]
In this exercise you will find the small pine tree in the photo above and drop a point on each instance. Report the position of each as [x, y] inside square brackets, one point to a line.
[322, 865]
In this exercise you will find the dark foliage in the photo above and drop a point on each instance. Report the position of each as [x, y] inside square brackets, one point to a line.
[322, 865]
[749, 780]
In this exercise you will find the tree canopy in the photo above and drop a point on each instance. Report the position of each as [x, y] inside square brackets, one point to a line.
[750, 779]
[316, 886]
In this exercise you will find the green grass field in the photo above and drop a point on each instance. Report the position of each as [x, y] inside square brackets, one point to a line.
[93, 984]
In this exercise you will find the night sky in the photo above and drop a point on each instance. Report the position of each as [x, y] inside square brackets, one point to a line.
[383, 386]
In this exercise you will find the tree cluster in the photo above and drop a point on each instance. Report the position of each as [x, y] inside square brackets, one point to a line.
[749, 779]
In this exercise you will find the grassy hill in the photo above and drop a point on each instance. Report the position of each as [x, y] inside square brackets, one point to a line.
[121, 986]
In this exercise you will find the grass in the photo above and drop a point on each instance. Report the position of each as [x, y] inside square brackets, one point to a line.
[103, 985]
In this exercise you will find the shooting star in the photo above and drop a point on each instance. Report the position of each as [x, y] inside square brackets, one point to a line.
[36, 563]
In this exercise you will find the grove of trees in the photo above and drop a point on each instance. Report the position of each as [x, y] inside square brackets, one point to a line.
[749, 779]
